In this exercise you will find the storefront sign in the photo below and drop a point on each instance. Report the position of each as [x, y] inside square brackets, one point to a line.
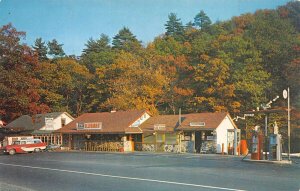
[91, 125]
[159, 127]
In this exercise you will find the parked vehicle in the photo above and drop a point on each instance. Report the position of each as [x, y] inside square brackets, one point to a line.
[24, 146]
[53, 147]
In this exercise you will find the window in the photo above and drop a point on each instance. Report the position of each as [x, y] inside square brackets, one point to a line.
[16, 142]
[149, 138]
[37, 141]
[160, 138]
[63, 122]
[171, 138]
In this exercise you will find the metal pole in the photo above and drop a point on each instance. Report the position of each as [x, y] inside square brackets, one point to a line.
[266, 136]
[289, 121]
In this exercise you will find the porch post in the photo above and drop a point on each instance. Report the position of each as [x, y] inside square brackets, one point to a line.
[193, 139]
[69, 142]
[235, 143]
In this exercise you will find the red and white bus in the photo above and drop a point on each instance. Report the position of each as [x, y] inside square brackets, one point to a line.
[24, 146]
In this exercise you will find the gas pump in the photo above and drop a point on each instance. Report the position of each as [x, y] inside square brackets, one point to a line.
[257, 144]
[275, 145]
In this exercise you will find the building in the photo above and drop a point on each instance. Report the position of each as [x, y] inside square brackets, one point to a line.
[41, 126]
[196, 132]
[106, 131]
[138, 131]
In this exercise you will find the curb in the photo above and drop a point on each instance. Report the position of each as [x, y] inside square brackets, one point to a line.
[269, 161]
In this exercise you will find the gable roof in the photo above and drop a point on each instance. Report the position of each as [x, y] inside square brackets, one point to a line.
[35, 122]
[169, 121]
[22, 122]
[211, 120]
[112, 122]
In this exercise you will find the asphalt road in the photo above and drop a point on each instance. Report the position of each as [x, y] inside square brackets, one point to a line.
[141, 171]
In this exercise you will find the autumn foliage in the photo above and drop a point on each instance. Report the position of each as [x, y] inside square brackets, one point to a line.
[231, 66]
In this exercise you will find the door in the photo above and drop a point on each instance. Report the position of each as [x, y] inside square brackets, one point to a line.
[198, 141]
[230, 142]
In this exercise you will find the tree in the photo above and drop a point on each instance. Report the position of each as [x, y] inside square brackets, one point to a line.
[174, 27]
[19, 89]
[96, 46]
[275, 38]
[55, 49]
[40, 49]
[201, 20]
[131, 84]
[97, 53]
[126, 41]
[64, 85]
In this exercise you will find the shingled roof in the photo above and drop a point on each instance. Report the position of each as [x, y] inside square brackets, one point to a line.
[211, 120]
[112, 122]
[25, 122]
[171, 122]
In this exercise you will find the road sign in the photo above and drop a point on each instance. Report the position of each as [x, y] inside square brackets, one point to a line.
[285, 94]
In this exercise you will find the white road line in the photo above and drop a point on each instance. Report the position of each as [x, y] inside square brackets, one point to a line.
[122, 177]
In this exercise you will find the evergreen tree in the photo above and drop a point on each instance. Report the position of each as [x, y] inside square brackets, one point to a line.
[125, 40]
[201, 20]
[40, 49]
[55, 49]
[97, 46]
[174, 27]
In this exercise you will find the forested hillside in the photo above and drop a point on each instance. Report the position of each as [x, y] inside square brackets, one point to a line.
[232, 66]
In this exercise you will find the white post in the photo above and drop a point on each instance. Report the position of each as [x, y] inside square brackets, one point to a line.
[289, 121]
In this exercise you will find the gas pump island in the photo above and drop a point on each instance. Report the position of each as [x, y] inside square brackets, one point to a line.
[259, 143]
[264, 146]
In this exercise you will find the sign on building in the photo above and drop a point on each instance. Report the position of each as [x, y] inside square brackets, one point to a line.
[90, 125]
[159, 127]
[49, 123]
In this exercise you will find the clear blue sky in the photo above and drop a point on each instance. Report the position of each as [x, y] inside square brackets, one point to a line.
[73, 22]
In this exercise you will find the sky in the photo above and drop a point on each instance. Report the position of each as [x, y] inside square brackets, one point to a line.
[73, 22]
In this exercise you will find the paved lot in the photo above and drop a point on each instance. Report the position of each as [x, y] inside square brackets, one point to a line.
[142, 171]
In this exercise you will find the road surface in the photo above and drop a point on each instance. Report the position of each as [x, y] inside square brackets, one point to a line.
[141, 171]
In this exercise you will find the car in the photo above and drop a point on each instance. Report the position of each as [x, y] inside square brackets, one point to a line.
[53, 147]
[24, 146]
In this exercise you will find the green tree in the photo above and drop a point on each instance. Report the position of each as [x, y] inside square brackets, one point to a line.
[201, 20]
[55, 49]
[96, 46]
[97, 53]
[126, 41]
[174, 27]
[275, 38]
[40, 49]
